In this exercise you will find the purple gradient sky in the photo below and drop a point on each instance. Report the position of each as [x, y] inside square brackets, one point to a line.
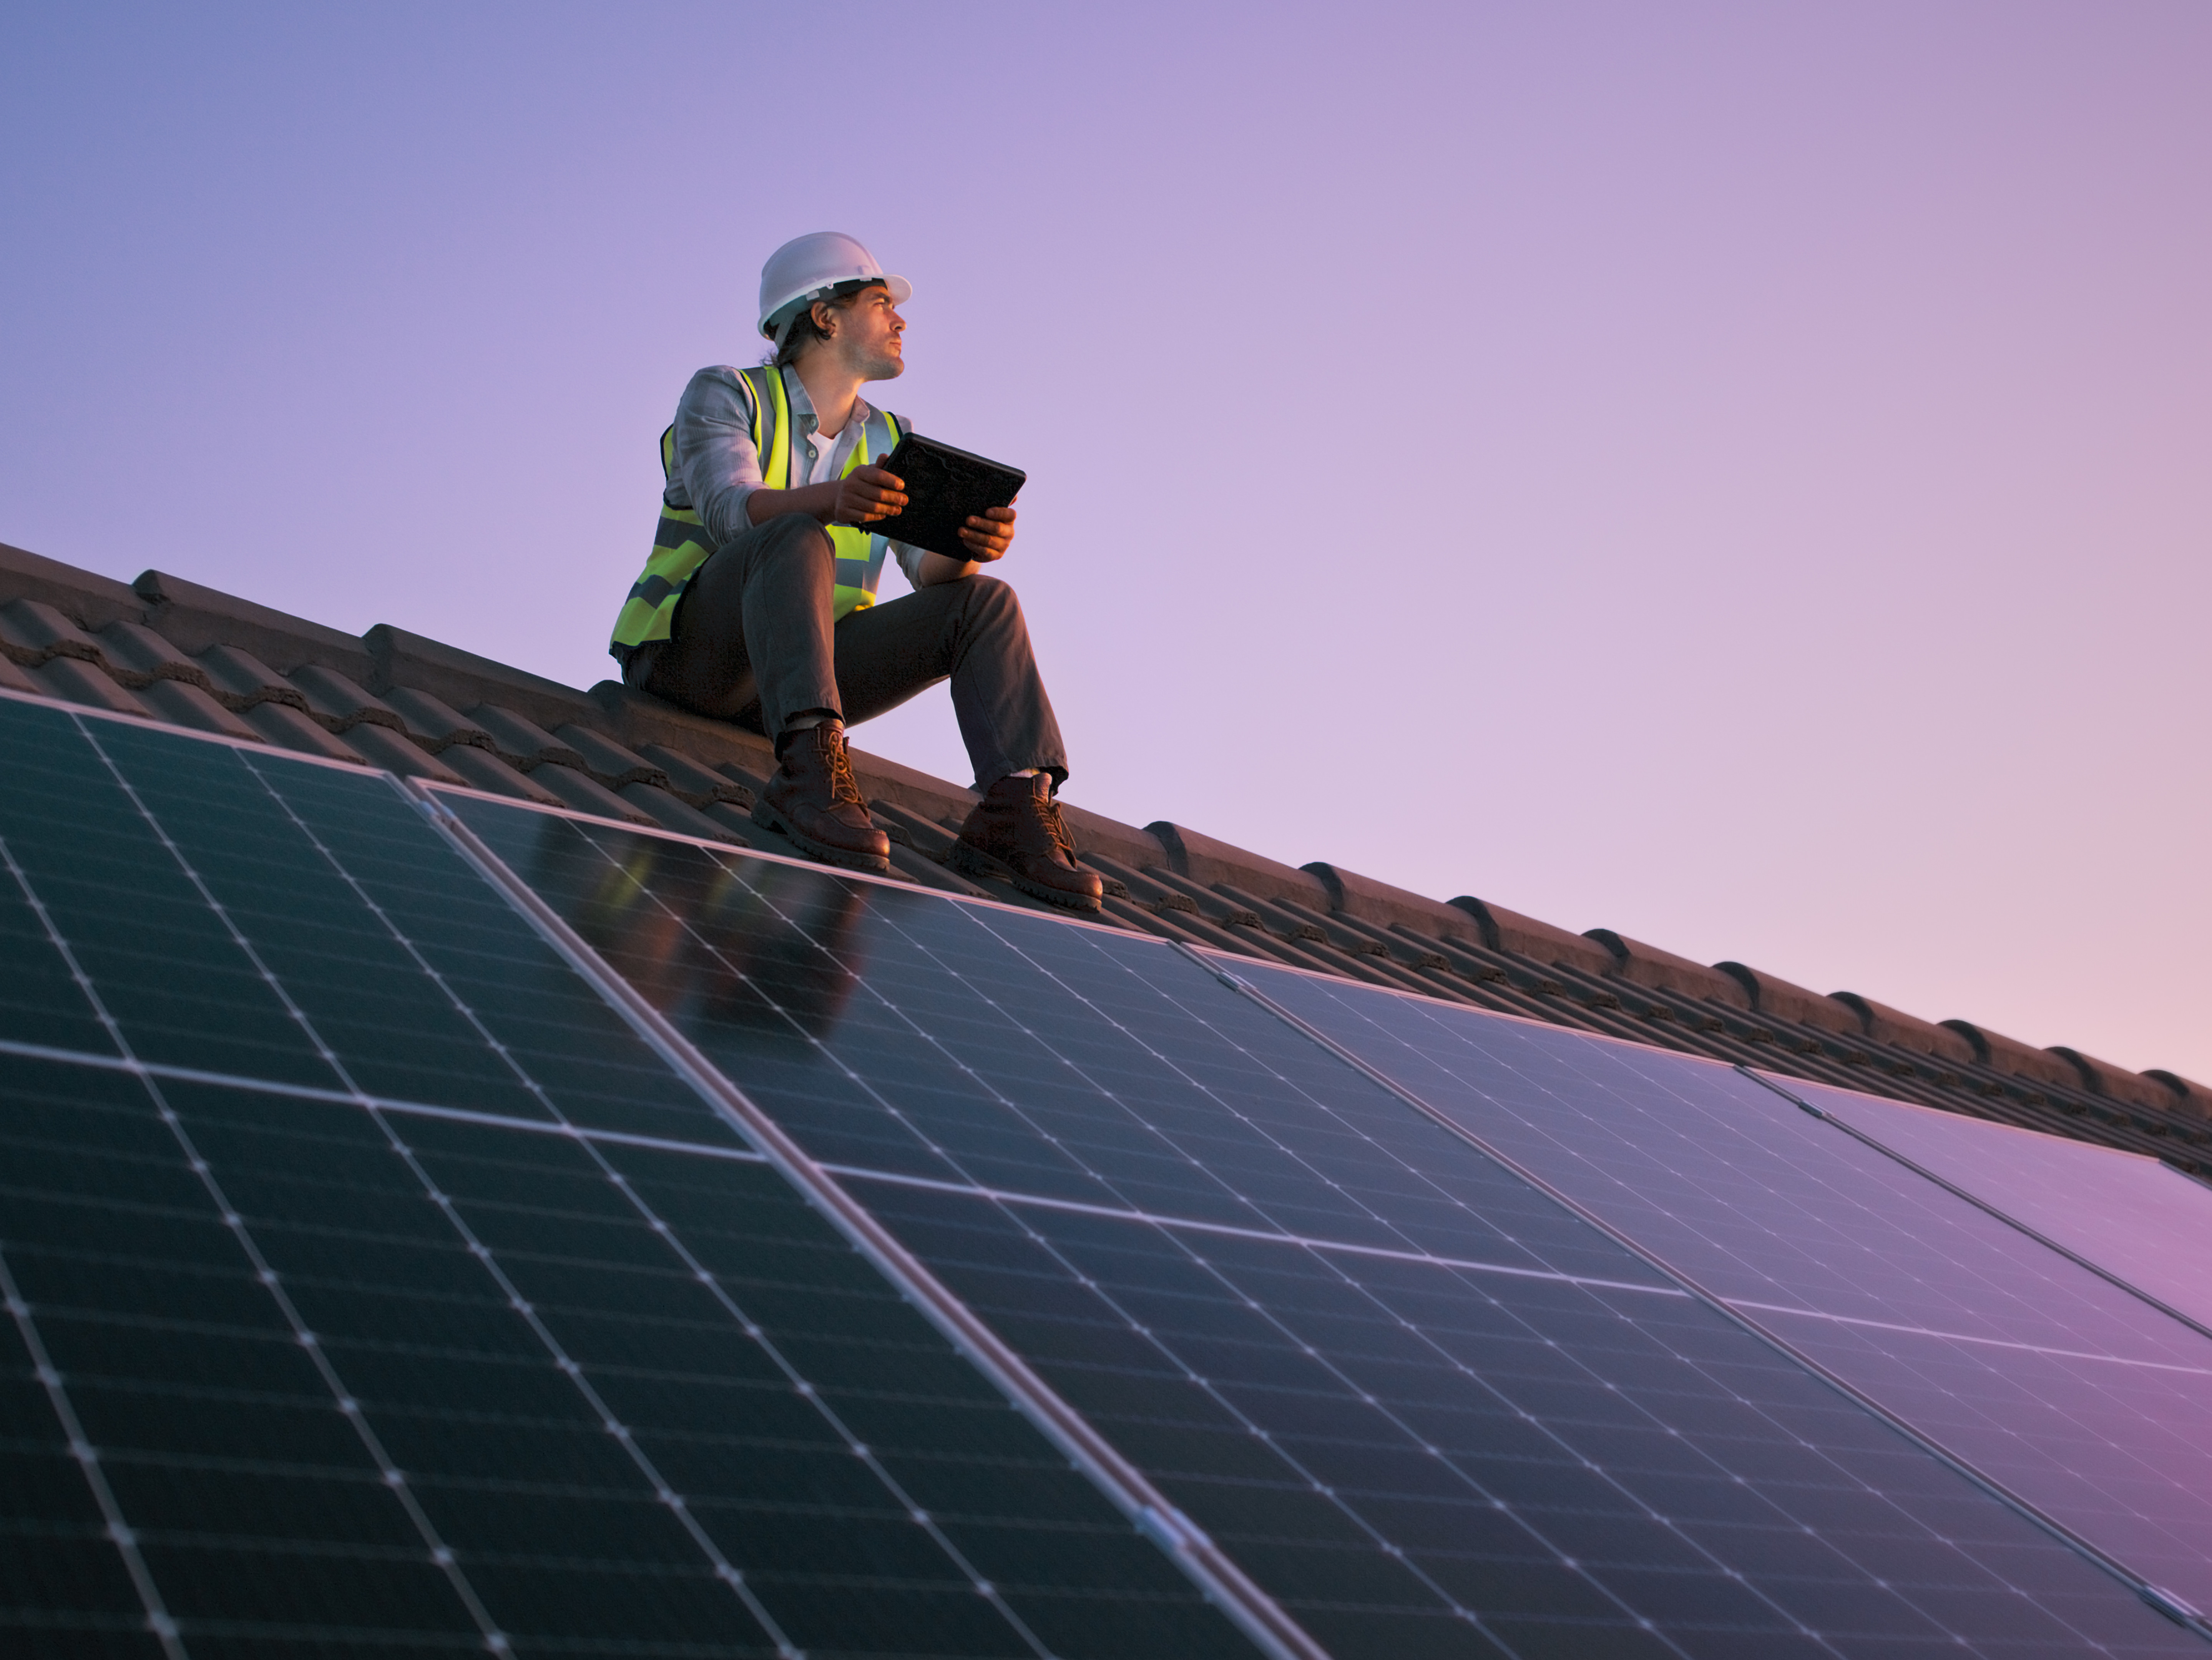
[1733, 474]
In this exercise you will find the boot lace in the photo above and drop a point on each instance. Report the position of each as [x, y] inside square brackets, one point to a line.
[1056, 828]
[844, 788]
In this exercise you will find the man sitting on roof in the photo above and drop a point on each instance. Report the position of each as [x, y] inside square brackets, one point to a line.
[757, 604]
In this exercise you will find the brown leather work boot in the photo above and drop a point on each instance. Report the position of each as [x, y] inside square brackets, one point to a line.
[1015, 832]
[814, 800]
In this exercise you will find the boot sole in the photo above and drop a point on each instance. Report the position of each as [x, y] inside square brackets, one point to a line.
[974, 862]
[821, 852]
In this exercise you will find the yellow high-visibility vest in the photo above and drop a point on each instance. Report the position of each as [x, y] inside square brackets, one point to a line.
[680, 543]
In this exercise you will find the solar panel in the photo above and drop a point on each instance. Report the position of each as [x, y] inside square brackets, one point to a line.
[374, 1290]
[2138, 1218]
[1427, 1408]
[2066, 1391]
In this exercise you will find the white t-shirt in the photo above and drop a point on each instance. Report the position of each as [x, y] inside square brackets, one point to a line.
[825, 449]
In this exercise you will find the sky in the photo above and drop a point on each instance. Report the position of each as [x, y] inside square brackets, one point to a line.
[1734, 474]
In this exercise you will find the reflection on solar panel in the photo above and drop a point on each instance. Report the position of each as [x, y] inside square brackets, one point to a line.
[374, 1290]
[2069, 1391]
[2137, 1218]
[1429, 1409]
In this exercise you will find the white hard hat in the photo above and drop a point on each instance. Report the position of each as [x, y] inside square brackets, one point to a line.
[809, 266]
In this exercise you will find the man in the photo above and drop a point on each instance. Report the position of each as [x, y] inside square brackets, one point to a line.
[757, 604]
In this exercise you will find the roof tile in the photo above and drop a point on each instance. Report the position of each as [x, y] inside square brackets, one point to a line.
[481, 769]
[239, 680]
[433, 722]
[464, 680]
[2195, 1097]
[1384, 906]
[33, 631]
[194, 617]
[521, 741]
[137, 656]
[1648, 965]
[382, 747]
[77, 681]
[1508, 930]
[89, 600]
[283, 724]
[2102, 1078]
[189, 705]
[1202, 859]
[692, 782]
[2009, 1055]
[676, 815]
[338, 703]
[609, 762]
[585, 793]
[1781, 1000]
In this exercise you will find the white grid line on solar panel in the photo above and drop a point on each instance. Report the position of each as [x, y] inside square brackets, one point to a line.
[356, 1097]
[798, 1026]
[1750, 1196]
[559, 1127]
[1099, 1091]
[1961, 1337]
[159, 1621]
[2133, 1215]
[439, 1553]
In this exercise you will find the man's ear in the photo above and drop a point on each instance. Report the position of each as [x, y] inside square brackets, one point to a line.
[817, 311]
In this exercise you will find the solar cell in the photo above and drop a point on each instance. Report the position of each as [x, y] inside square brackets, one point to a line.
[2136, 1218]
[1427, 1407]
[2079, 1398]
[374, 1289]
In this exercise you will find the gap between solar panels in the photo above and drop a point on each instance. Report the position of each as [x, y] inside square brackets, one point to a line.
[2172, 1604]
[1223, 1582]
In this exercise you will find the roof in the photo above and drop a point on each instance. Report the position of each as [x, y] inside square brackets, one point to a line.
[167, 649]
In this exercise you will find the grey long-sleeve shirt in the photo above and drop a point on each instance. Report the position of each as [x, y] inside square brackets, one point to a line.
[717, 468]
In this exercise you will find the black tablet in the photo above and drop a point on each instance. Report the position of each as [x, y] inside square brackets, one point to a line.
[943, 486]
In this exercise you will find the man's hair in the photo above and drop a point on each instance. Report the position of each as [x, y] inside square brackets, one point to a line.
[805, 331]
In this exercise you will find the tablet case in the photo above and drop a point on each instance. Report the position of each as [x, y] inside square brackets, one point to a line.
[943, 486]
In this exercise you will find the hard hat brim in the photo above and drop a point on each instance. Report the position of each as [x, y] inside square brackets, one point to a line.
[901, 291]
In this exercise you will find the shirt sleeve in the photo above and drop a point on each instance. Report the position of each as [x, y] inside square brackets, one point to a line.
[716, 465]
[909, 560]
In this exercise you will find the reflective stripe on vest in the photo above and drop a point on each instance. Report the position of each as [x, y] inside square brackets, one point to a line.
[680, 543]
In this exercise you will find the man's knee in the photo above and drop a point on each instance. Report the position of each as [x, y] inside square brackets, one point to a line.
[991, 603]
[794, 536]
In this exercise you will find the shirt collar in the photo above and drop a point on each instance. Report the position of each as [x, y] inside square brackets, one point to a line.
[802, 407]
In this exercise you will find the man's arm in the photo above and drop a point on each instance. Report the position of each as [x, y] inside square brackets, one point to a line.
[860, 498]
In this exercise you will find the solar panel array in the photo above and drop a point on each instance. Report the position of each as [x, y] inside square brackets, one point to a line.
[475, 1228]
[2074, 1394]
[1428, 1407]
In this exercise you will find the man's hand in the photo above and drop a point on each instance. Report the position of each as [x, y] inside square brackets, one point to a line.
[867, 494]
[988, 534]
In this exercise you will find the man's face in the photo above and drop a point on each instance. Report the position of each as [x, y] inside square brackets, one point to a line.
[867, 334]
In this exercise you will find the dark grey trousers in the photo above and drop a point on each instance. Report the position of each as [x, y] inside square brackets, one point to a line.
[752, 642]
